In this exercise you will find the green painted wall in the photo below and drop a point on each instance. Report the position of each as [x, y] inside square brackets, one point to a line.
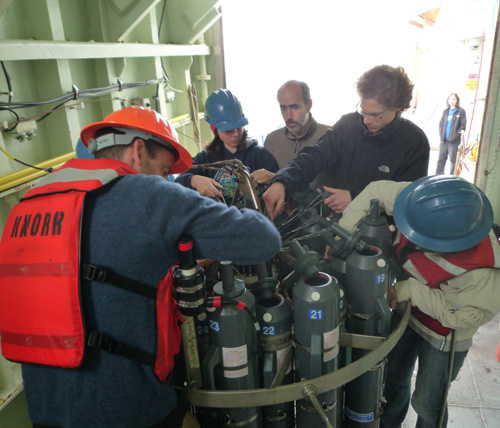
[51, 47]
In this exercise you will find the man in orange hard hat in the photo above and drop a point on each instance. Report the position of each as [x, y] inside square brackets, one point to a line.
[85, 290]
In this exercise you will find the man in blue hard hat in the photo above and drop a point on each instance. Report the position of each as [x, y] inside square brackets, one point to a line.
[224, 113]
[449, 256]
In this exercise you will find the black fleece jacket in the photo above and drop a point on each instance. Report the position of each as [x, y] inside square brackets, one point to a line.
[355, 157]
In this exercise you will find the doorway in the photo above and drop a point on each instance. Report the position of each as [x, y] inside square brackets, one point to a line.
[445, 46]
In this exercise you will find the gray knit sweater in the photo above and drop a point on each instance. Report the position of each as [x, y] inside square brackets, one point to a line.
[132, 228]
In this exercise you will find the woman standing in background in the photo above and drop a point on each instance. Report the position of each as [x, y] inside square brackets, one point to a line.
[452, 122]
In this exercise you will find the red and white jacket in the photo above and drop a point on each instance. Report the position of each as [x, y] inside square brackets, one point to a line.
[433, 269]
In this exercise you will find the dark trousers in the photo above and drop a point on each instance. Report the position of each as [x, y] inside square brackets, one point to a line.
[174, 420]
[449, 151]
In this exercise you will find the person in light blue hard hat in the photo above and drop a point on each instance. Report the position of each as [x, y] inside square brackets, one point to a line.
[449, 255]
[82, 151]
[224, 113]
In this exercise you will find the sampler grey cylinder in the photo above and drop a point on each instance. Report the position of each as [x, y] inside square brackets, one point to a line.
[369, 314]
[337, 267]
[231, 362]
[316, 333]
[275, 318]
[365, 287]
[375, 230]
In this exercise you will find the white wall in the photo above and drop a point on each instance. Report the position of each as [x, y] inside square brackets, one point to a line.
[330, 44]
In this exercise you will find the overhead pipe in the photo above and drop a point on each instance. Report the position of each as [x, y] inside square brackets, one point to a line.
[16, 176]
[180, 118]
[19, 184]
[203, 77]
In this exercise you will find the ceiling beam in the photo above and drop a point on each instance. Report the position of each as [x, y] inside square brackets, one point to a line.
[19, 50]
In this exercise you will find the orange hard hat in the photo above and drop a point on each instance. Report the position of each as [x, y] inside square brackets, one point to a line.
[145, 120]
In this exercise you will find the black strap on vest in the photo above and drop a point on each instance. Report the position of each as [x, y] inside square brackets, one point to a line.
[103, 340]
[102, 274]
[107, 343]
[404, 253]
[408, 249]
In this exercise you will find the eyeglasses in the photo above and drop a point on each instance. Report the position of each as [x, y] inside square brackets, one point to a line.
[373, 116]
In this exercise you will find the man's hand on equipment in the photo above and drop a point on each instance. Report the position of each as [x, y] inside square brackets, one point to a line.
[206, 186]
[338, 200]
[204, 263]
[392, 297]
[263, 176]
[274, 198]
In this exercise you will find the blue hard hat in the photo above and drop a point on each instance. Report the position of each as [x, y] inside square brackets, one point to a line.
[443, 213]
[82, 152]
[223, 110]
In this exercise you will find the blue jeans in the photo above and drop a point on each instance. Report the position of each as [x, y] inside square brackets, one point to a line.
[430, 384]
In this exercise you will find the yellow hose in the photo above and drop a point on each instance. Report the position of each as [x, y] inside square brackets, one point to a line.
[27, 178]
[25, 175]
[15, 176]
[179, 118]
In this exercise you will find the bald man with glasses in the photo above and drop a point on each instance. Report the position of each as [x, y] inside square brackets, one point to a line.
[373, 143]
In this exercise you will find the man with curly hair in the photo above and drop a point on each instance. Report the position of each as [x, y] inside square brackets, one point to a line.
[370, 144]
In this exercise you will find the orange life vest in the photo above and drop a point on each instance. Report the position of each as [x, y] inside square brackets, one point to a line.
[41, 318]
[433, 271]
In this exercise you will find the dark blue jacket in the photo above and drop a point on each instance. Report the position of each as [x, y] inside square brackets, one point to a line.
[253, 156]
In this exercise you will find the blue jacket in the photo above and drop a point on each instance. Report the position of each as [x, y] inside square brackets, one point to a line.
[458, 123]
[253, 156]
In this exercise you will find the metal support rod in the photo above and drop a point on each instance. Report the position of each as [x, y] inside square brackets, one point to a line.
[190, 346]
[451, 362]
[310, 393]
[296, 214]
[280, 374]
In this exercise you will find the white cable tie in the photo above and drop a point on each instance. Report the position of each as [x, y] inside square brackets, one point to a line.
[76, 91]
